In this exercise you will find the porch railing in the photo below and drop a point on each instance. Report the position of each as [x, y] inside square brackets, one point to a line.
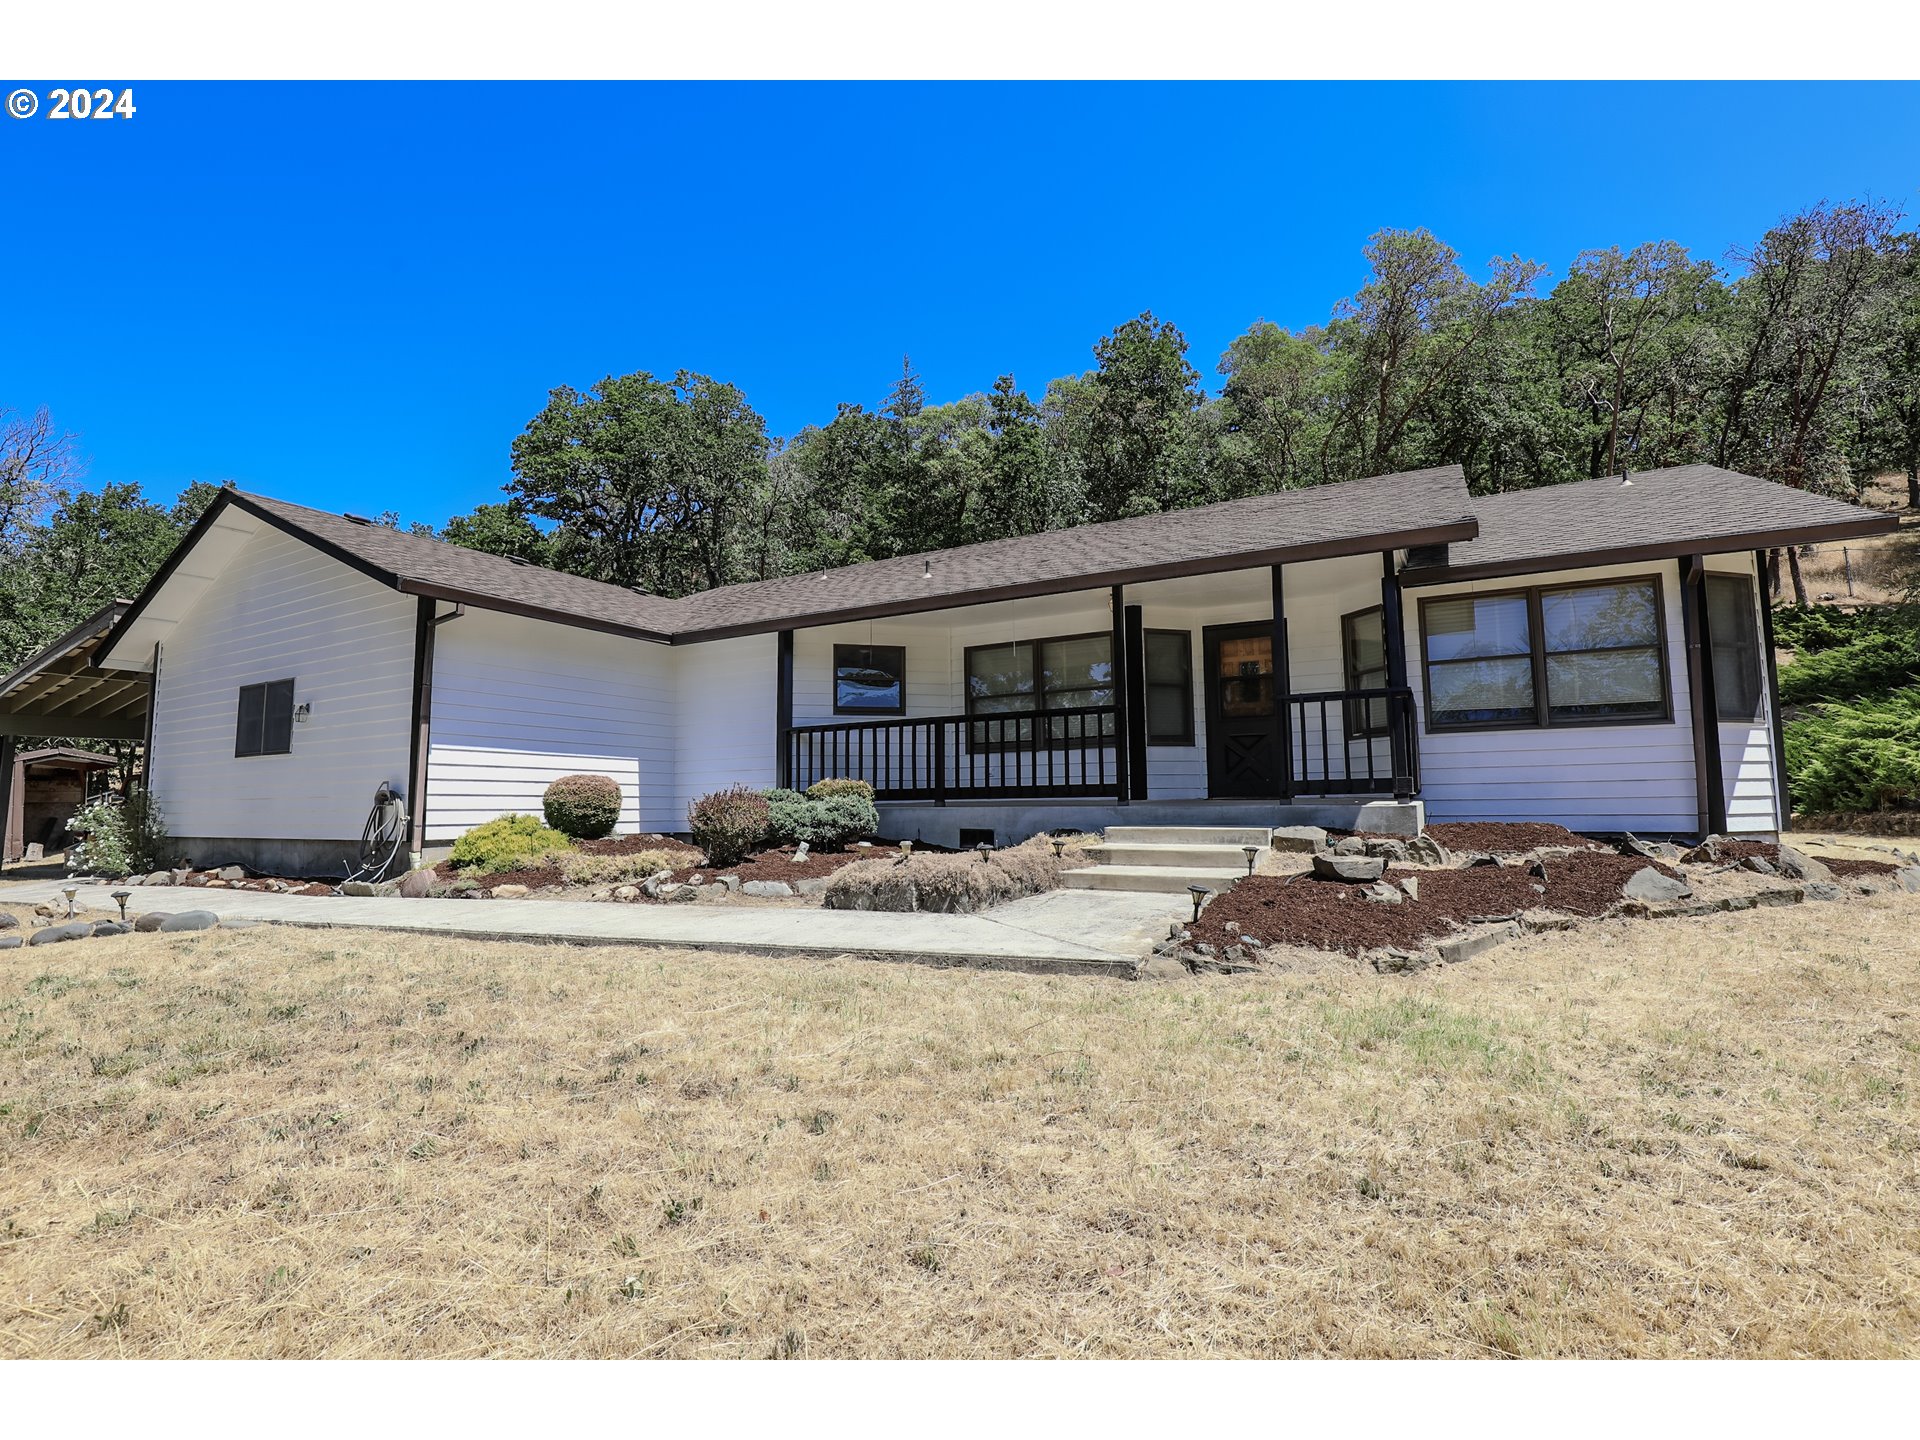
[1354, 742]
[954, 757]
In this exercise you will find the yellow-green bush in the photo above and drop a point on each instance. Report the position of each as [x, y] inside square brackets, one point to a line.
[512, 842]
[582, 869]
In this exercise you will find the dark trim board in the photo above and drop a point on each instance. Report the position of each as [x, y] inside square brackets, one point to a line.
[420, 735]
[1784, 800]
[1710, 789]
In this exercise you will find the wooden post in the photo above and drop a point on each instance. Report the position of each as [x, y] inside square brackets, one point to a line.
[1137, 701]
[783, 710]
[1772, 672]
[423, 628]
[8, 747]
[1393, 638]
[1282, 691]
[146, 738]
[1123, 720]
[1709, 782]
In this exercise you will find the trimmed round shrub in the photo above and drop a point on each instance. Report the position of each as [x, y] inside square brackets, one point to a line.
[585, 807]
[830, 822]
[730, 824]
[512, 842]
[828, 789]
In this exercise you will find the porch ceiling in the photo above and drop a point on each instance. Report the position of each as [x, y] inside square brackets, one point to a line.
[62, 690]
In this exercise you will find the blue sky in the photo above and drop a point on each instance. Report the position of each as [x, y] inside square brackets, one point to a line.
[356, 295]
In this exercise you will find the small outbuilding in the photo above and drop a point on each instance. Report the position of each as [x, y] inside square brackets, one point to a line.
[48, 788]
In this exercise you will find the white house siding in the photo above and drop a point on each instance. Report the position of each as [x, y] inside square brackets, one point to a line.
[518, 703]
[281, 609]
[726, 702]
[1587, 777]
[1747, 761]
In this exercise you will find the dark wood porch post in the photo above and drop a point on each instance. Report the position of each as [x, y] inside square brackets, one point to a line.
[1393, 638]
[1772, 672]
[1282, 692]
[8, 747]
[1123, 720]
[146, 734]
[783, 711]
[423, 628]
[1709, 782]
[1137, 701]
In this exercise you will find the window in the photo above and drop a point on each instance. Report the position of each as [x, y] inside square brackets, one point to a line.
[1735, 632]
[869, 680]
[265, 723]
[1561, 655]
[1026, 677]
[1169, 687]
[1363, 644]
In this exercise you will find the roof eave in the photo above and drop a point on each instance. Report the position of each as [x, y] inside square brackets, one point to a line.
[454, 594]
[1446, 533]
[1427, 575]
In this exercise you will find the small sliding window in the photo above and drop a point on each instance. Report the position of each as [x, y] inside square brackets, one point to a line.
[265, 722]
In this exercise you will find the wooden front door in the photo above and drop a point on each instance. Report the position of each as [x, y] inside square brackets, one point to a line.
[1243, 753]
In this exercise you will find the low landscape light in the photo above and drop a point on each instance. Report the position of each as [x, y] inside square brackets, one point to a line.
[1059, 848]
[69, 891]
[906, 849]
[1199, 894]
[120, 898]
[1252, 852]
[985, 850]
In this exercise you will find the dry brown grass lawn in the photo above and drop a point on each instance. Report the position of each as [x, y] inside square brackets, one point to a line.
[1689, 1138]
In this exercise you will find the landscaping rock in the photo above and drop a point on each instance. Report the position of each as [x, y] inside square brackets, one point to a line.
[1707, 851]
[11, 942]
[766, 889]
[54, 934]
[241, 924]
[359, 889]
[1796, 866]
[1535, 921]
[186, 920]
[509, 892]
[217, 884]
[683, 895]
[1651, 887]
[814, 885]
[626, 892]
[8, 921]
[728, 883]
[387, 889]
[1908, 878]
[696, 879]
[1394, 851]
[799, 856]
[1760, 865]
[1777, 897]
[1381, 893]
[1393, 961]
[1824, 890]
[1653, 849]
[112, 927]
[152, 921]
[232, 873]
[1300, 839]
[1353, 869]
[1350, 845]
[1411, 884]
[418, 884]
[47, 909]
[160, 877]
[1425, 850]
[1456, 948]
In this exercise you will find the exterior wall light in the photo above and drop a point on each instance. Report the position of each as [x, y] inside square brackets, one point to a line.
[301, 712]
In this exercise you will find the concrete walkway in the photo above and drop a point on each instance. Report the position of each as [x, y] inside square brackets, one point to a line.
[1063, 932]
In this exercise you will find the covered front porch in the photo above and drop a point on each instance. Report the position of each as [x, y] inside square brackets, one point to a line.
[1252, 695]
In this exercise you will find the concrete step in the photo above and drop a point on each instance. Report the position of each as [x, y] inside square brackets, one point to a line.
[1157, 878]
[1206, 857]
[1235, 835]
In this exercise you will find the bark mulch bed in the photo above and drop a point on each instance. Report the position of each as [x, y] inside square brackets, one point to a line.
[1859, 869]
[1329, 915]
[778, 865]
[1842, 868]
[1503, 838]
[634, 844]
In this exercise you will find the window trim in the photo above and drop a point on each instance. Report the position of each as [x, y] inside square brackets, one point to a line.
[833, 679]
[1537, 651]
[1187, 736]
[1039, 695]
[1754, 634]
[264, 687]
[1355, 717]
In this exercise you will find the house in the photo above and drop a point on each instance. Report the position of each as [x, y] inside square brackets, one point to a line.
[1373, 654]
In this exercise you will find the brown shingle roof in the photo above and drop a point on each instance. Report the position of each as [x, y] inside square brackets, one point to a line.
[1684, 510]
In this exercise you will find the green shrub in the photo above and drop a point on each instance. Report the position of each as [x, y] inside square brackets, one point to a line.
[583, 807]
[827, 823]
[1808, 629]
[580, 869]
[123, 837]
[1863, 756]
[828, 789]
[1874, 663]
[730, 824]
[512, 842]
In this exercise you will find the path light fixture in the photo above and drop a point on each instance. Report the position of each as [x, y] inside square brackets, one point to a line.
[985, 850]
[1059, 848]
[120, 898]
[906, 849]
[1201, 894]
[1252, 852]
[69, 891]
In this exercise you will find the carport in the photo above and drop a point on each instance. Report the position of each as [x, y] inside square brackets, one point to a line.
[61, 694]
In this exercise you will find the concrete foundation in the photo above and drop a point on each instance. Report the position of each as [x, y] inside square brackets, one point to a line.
[1012, 821]
[318, 858]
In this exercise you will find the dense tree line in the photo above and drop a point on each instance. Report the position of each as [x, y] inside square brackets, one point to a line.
[1798, 360]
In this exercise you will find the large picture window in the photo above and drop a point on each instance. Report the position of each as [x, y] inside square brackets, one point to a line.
[869, 680]
[1073, 672]
[1169, 687]
[1591, 653]
[265, 722]
[1733, 624]
[1363, 648]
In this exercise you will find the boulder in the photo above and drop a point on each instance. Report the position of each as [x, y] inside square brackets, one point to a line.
[1651, 887]
[217, 884]
[11, 942]
[626, 892]
[1411, 884]
[1760, 865]
[1350, 845]
[1425, 850]
[187, 920]
[728, 883]
[1382, 893]
[683, 895]
[160, 877]
[1352, 869]
[152, 921]
[359, 889]
[766, 889]
[812, 885]
[54, 934]
[1824, 890]
[1456, 948]
[1300, 839]
[1908, 878]
[1796, 866]
[196, 879]
[112, 927]
[696, 880]
[418, 884]
[507, 892]
[8, 921]
[387, 889]
[232, 873]
[1705, 853]
[1388, 849]
[1395, 961]
[1653, 849]
[1535, 921]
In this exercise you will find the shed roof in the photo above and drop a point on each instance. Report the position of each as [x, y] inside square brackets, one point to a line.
[63, 690]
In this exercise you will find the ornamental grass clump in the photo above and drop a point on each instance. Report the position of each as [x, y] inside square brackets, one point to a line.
[577, 868]
[512, 842]
[582, 807]
[730, 824]
[946, 884]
